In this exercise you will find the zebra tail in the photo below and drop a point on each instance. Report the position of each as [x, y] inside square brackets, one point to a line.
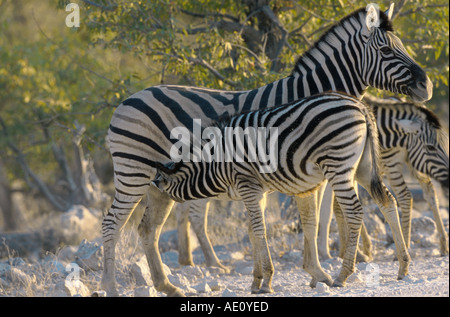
[376, 184]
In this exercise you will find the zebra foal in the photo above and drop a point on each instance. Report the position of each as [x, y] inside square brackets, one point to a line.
[410, 135]
[328, 137]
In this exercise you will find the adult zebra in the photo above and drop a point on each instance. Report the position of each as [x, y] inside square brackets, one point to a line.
[411, 136]
[326, 137]
[358, 52]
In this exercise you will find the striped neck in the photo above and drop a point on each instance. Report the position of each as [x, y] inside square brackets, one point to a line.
[335, 62]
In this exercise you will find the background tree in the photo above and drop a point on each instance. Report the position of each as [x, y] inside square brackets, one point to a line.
[60, 85]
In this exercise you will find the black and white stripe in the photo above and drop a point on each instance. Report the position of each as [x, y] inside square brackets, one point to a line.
[326, 137]
[412, 135]
[350, 57]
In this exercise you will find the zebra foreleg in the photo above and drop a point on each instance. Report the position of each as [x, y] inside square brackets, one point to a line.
[158, 209]
[255, 202]
[184, 239]
[198, 216]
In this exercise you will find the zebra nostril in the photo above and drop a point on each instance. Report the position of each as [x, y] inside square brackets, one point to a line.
[422, 85]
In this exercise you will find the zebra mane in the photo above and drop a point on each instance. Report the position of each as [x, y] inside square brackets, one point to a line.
[432, 119]
[385, 24]
[420, 112]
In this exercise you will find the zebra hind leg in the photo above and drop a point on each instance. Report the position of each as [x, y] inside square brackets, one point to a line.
[157, 210]
[307, 207]
[388, 208]
[117, 216]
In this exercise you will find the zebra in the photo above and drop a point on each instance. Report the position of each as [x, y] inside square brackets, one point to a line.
[360, 51]
[410, 135]
[327, 137]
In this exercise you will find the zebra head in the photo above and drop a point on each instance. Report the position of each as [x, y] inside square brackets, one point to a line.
[165, 179]
[428, 147]
[386, 63]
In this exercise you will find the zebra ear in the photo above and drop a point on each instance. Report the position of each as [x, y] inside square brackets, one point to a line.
[372, 16]
[159, 182]
[409, 126]
[389, 12]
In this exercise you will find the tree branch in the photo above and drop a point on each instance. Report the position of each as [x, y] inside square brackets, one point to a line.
[215, 15]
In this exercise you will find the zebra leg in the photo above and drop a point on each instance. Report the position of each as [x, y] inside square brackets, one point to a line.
[117, 216]
[184, 239]
[341, 227]
[158, 209]
[257, 267]
[255, 202]
[307, 207]
[367, 245]
[394, 175]
[430, 196]
[365, 256]
[198, 216]
[390, 213]
[353, 213]
[324, 224]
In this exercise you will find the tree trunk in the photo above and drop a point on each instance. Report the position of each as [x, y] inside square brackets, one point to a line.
[10, 218]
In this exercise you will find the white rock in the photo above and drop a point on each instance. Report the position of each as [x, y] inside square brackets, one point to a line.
[293, 256]
[216, 285]
[322, 288]
[4, 268]
[236, 256]
[356, 277]
[141, 272]
[76, 288]
[145, 291]
[17, 276]
[89, 256]
[79, 223]
[192, 273]
[422, 227]
[244, 267]
[3, 283]
[178, 280]
[203, 287]
[228, 293]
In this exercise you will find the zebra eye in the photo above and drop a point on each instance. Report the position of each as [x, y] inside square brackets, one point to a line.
[386, 50]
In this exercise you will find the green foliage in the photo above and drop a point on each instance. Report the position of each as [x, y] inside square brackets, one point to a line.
[53, 77]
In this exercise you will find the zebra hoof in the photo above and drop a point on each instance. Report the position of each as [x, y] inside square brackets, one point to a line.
[338, 283]
[265, 290]
[326, 280]
[362, 258]
[176, 293]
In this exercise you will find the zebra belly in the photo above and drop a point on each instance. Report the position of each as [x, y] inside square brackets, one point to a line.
[297, 187]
